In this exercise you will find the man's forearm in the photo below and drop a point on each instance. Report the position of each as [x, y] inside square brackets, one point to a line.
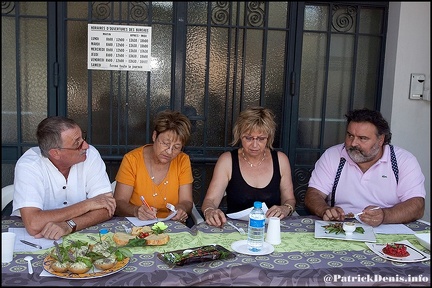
[405, 212]
[315, 202]
[92, 218]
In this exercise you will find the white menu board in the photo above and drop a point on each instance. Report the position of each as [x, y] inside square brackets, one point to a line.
[119, 47]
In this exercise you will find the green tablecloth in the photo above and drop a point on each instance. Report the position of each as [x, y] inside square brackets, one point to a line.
[291, 241]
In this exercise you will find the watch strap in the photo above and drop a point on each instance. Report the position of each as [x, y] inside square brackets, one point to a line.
[72, 225]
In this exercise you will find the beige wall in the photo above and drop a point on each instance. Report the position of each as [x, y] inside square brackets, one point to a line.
[408, 51]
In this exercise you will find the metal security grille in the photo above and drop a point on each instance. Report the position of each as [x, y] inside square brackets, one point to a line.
[309, 62]
[209, 60]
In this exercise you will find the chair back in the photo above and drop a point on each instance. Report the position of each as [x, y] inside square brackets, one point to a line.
[7, 197]
[196, 216]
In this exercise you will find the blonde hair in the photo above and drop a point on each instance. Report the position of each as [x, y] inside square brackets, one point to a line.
[255, 119]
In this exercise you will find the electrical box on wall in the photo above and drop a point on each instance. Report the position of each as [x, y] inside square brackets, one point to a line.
[417, 86]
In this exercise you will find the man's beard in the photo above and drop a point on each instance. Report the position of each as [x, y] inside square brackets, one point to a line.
[359, 156]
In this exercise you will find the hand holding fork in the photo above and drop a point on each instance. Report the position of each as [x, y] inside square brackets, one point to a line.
[352, 215]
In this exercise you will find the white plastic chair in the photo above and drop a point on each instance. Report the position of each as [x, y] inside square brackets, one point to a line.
[196, 216]
[7, 195]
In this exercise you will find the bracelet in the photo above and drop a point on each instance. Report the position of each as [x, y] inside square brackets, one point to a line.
[205, 210]
[290, 207]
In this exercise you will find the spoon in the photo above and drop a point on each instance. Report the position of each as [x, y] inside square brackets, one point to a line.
[29, 265]
[187, 251]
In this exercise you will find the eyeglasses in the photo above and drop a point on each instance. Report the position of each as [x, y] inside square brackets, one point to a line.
[260, 139]
[79, 145]
[175, 148]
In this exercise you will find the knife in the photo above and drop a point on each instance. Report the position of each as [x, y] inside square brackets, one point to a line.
[31, 244]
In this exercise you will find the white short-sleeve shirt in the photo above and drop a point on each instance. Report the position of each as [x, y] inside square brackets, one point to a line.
[38, 183]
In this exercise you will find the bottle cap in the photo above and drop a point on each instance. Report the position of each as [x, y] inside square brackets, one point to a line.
[103, 231]
[257, 204]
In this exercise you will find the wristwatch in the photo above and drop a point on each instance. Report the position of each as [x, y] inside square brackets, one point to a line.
[72, 225]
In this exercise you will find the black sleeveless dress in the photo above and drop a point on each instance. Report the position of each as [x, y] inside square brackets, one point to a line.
[240, 195]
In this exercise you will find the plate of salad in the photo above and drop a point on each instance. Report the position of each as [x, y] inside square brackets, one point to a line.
[401, 251]
[334, 230]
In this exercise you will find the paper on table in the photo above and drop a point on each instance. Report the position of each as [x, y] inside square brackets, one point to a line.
[389, 228]
[393, 229]
[45, 273]
[21, 234]
[135, 221]
[244, 214]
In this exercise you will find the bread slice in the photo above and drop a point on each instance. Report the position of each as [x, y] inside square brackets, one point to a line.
[105, 263]
[78, 268]
[136, 230]
[60, 267]
[157, 239]
[122, 238]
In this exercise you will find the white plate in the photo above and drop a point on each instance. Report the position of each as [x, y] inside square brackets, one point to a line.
[92, 273]
[367, 236]
[242, 247]
[244, 214]
[415, 254]
[424, 239]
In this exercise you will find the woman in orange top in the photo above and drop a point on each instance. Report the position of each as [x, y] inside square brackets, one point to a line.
[160, 172]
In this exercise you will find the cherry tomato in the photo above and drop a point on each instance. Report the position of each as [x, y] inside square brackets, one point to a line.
[143, 234]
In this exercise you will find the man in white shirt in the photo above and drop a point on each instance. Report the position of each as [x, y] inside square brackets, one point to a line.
[61, 186]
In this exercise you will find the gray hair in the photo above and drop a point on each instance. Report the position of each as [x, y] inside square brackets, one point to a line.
[49, 132]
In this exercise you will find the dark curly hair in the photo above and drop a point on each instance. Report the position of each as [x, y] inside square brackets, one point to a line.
[374, 117]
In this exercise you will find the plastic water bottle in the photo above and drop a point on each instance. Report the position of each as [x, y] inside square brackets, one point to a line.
[256, 228]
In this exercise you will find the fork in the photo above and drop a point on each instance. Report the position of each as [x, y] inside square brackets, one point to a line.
[353, 216]
[127, 229]
[240, 230]
[171, 207]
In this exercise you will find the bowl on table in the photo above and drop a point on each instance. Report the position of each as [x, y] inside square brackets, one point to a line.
[349, 228]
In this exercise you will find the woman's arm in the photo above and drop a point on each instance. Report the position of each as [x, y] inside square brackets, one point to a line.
[216, 191]
[288, 201]
[122, 195]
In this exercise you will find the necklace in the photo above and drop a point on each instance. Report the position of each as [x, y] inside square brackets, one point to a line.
[250, 164]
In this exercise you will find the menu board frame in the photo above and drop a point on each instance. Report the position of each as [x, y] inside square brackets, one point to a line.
[119, 47]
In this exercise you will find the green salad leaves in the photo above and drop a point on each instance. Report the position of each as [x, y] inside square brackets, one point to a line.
[159, 227]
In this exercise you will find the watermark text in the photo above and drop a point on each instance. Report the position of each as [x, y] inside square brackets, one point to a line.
[335, 278]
